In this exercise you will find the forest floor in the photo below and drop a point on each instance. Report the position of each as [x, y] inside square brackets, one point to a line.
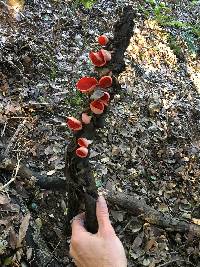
[151, 141]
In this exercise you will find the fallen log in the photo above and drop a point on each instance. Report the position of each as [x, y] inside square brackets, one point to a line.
[138, 207]
[131, 203]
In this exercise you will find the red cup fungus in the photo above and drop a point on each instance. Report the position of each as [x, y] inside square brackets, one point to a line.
[83, 142]
[97, 58]
[82, 152]
[103, 40]
[105, 81]
[106, 54]
[105, 98]
[74, 124]
[85, 118]
[86, 84]
[97, 107]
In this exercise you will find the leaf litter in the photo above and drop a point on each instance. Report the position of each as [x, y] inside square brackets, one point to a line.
[150, 144]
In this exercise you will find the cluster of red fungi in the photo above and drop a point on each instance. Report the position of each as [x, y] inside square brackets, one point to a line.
[87, 85]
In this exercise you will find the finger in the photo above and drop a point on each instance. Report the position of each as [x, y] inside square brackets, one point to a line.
[72, 253]
[77, 263]
[74, 256]
[103, 216]
[78, 224]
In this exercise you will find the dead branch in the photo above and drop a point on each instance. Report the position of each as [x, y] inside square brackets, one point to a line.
[49, 183]
[13, 178]
[132, 203]
[77, 170]
[137, 206]
[13, 139]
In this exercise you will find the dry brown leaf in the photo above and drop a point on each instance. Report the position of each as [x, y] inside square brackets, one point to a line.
[23, 229]
[10, 109]
[16, 4]
[3, 222]
[4, 200]
[29, 253]
[150, 244]
[138, 241]
[3, 118]
[12, 238]
[7, 221]
[117, 215]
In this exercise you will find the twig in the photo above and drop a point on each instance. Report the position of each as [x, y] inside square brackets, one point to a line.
[53, 252]
[19, 117]
[38, 103]
[4, 128]
[129, 222]
[20, 126]
[173, 261]
[14, 65]
[14, 176]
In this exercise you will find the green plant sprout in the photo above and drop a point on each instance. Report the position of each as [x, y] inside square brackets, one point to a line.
[87, 3]
[190, 33]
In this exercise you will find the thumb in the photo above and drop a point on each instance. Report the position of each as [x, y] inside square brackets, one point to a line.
[103, 217]
[78, 224]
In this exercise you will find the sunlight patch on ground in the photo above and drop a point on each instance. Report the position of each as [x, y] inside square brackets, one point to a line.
[16, 7]
[193, 68]
[149, 47]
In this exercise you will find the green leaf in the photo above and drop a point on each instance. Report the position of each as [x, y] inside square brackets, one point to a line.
[87, 3]
[8, 261]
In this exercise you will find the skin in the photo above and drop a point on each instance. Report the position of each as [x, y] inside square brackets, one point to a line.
[103, 249]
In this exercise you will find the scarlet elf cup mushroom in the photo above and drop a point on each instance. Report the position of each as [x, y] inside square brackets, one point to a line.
[105, 98]
[105, 82]
[82, 152]
[103, 40]
[85, 118]
[100, 58]
[87, 85]
[74, 124]
[97, 107]
[83, 142]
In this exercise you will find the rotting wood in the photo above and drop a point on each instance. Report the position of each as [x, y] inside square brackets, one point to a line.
[77, 170]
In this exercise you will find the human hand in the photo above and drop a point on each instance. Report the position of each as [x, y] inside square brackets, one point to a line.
[103, 249]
